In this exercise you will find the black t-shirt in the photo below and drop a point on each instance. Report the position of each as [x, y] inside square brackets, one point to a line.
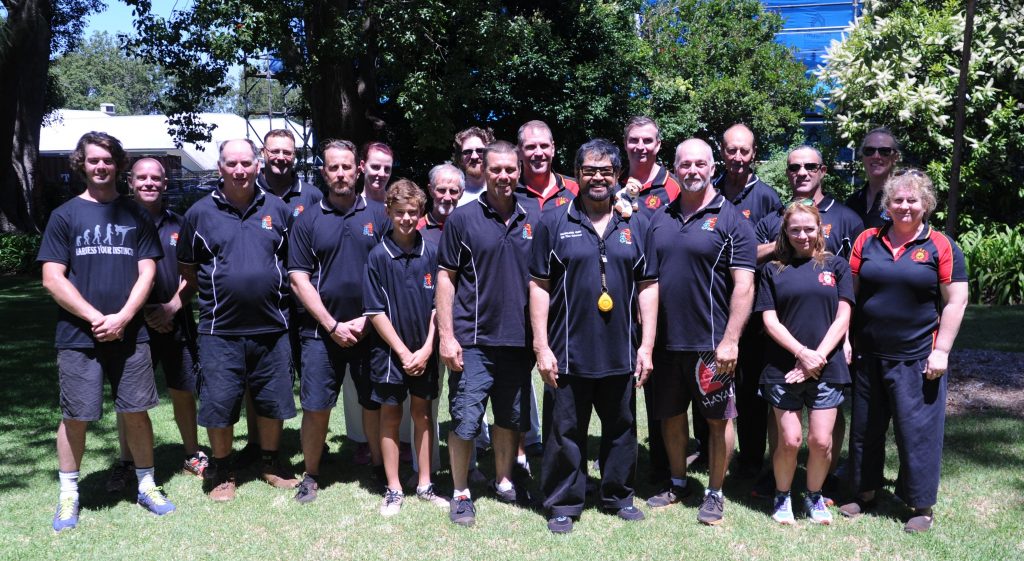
[401, 286]
[805, 297]
[332, 246]
[756, 200]
[490, 260]
[839, 224]
[873, 215]
[586, 341]
[165, 284]
[101, 245]
[693, 260]
[240, 262]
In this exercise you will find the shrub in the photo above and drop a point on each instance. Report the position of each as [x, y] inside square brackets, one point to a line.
[18, 253]
[994, 265]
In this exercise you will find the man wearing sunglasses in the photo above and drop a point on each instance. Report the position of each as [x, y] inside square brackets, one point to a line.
[469, 156]
[879, 152]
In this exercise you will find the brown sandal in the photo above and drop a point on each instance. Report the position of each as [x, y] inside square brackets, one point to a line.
[856, 507]
[919, 523]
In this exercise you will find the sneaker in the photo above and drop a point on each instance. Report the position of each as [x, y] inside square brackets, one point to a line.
[669, 497]
[461, 511]
[307, 489]
[120, 475]
[783, 510]
[219, 484]
[560, 524]
[362, 455]
[155, 501]
[817, 510]
[630, 513]
[516, 495]
[67, 513]
[276, 475]
[392, 502]
[196, 464]
[711, 510]
[431, 497]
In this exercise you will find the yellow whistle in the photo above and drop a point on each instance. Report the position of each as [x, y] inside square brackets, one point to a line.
[604, 302]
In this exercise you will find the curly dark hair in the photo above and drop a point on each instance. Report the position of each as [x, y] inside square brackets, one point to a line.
[103, 140]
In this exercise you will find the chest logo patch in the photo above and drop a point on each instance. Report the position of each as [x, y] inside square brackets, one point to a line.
[428, 281]
[298, 210]
[919, 255]
[267, 223]
[368, 229]
[561, 201]
[709, 224]
[652, 201]
[826, 230]
[527, 232]
[826, 278]
[746, 213]
[626, 237]
[174, 239]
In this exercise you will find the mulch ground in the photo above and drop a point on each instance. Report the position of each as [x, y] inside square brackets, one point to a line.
[983, 380]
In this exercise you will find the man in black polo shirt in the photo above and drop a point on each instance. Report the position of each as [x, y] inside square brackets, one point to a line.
[539, 183]
[278, 176]
[98, 255]
[703, 252]
[588, 281]
[642, 140]
[328, 246]
[879, 152]
[232, 249]
[481, 318]
[739, 184]
[445, 186]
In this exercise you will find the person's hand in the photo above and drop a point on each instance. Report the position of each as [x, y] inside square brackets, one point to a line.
[725, 357]
[415, 363]
[357, 327]
[343, 335]
[109, 327]
[810, 360]
[848, 351]
[938, 362]
[644, 365]
[547, 365]
[451, 354]
[797, 375]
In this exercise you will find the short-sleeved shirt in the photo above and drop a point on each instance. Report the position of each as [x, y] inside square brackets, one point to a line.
[430, 229]
[101, 245]
[167, 279]
[839, 224]
[567, 253]
[567, 188]
[805, 297]
[240, 264]
[299, 197]
[658, 192]
[756, 200]
[873, 215]
[491, 262]
[898, 300]
[399, 285]
[332, 246]
[692, 260]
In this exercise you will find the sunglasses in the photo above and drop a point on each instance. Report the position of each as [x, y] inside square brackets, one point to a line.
[471, 151]
[883, 151]
[809, 166]
[908, 171]
[800, 202]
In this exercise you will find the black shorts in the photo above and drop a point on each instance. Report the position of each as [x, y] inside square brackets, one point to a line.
[423, 387]
[261, 363]
[680, 377]
[323, 370]
[126, 366]
[176, 352]
[499, 373]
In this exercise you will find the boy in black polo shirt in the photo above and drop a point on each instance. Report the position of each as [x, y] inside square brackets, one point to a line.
[398, 297]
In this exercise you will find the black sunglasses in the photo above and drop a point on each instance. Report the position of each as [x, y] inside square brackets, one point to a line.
[809, 166]
[471, 151]
[883, 151]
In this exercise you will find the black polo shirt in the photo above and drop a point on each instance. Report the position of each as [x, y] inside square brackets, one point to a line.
[898, 300]
[839, 224]
[692, 261]
[491, 262]
[401, 286]
[756, 200]
[332, 247]
[586, 341]
[805, 297]
[101, 245]
[430, 229]
[240, 261]
[567, 191]
[299, 197]
[658, 192]
[165, 284]
[873, 216]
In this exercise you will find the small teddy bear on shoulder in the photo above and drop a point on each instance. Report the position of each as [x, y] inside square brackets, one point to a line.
[627, 199]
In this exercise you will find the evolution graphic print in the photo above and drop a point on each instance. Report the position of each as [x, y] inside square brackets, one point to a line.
[100, 240]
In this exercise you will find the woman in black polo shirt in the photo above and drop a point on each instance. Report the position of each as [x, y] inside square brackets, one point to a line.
[805, 296]
[911, 294]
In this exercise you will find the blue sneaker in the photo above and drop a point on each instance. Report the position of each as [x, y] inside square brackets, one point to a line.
[155, 501]
[783, 509]
[67, 513]
[816, 509]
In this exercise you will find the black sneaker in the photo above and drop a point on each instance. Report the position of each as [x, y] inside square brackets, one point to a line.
[711, 510]
[560, 524]
[306, 491]
[630, 513]
[462, 512]
[670, 496]
[517, 495]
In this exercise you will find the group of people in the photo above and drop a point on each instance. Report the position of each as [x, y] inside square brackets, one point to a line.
[711, 293]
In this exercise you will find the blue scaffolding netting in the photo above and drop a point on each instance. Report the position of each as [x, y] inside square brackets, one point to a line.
[811, 25]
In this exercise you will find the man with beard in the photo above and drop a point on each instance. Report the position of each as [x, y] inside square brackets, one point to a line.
[703, 252]
[469, 157]
[445, 186]
[588, 281]
[328, 248]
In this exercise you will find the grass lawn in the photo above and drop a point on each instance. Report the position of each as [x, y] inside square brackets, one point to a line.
[980, 514]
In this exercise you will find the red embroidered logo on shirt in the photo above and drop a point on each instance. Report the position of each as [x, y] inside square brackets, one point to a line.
[428, 281]
[653, 201]
[298, 210]
[527, 232]
[826, 229]
[174, 239]
[368, 229]
[267, 223]
[826, 278]
[561, 201]
[626, 237]
[709, 224]
[920, 255]
[746, 213]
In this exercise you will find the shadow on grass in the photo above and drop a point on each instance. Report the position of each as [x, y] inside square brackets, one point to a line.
[989, 439]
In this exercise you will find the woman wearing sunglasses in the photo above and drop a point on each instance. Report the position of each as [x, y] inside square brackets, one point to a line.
[805, 295]
[911, 295]
[879, 152]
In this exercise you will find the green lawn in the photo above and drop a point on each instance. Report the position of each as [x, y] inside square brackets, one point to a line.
[980, 512]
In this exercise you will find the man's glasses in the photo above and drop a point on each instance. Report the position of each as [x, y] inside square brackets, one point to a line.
[883, 151]
[809, 166]
[471, 151]
[587, 171]
[281, 152]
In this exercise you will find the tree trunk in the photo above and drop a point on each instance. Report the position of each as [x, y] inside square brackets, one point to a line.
[24, 64]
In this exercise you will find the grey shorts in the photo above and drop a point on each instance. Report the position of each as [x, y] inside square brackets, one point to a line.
[125, 366]
[812, 394]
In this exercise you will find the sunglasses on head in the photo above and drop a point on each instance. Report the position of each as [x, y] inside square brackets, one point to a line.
[471, 151]
[800, 202]
[883, 151]
[809, 166]
[908, 171]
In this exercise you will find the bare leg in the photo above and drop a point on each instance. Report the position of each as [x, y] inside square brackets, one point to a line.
[138, 431]
[70, 444]
[313, 435]
[790, 438]
[674, 432]
[458, 453]
[184, 404]
[505, 444]
[251, 420]
[819, 443]
[422, 435]
[838, 435]
[270, 433]
[122, 440]
[721, 441]
[221, 439]
[371, 427]
[390, 417]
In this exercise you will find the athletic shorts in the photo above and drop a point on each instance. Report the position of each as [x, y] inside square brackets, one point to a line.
[681, 377]
[324, 364]
[125, 366]
[812, 394]
[230, 364]
[178, 357]
[501, 374]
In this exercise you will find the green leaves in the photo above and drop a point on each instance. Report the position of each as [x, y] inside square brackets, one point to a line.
[994, 266]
